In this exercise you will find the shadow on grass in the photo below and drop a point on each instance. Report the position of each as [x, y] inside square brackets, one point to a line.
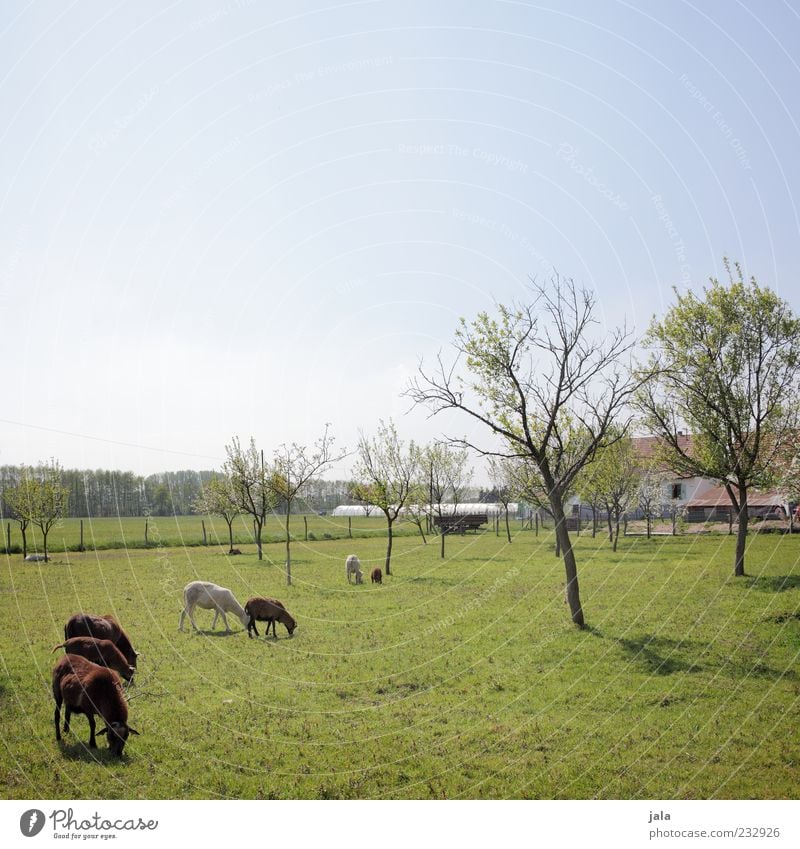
[81, 752]
[774, 583]
[202, 633]
[658, 654]
[664, 656]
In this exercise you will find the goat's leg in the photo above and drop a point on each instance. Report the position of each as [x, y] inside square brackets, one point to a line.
[92, 741]
[189, 612]
[67, 717]
[57, 720]
[183, 616]
[225, 620]
[216, 616]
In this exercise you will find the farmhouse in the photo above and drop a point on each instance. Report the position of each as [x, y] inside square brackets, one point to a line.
[699, 499]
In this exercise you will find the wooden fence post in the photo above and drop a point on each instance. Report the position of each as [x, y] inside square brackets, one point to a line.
[81, 545]
[305, 525]
[8, 537]
[205, 539]
[537, 524]
[145, 532]
[350, 526]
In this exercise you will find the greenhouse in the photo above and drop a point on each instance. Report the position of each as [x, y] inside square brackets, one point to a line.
[491, 509]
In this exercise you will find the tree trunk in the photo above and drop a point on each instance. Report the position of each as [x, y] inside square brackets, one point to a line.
[741, 534]
[570, 566]
[508, 528]
[350, 527]
[230, 535]
[648, 526]
[615, 535]
[388, 563]
[288, 546]
[305, 528]
[257, 526]
[610, 526]
[443, 534]
[24, 542]
[44, 543]
[422, 533]
[594, 521]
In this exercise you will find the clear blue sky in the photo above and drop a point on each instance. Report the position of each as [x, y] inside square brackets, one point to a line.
[224, 218]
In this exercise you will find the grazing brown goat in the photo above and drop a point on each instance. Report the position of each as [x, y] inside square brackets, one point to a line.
[101, 628]
[102, 652]
[376, 575]
[84, 687]
[268, 610]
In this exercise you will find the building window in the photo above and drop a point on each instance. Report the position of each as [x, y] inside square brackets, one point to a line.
[676, 491]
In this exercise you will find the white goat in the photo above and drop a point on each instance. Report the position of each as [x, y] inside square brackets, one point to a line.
[211, 597]
[353, 567]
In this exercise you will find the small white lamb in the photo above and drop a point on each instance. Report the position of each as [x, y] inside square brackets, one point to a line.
[211, 597]
[353, 567]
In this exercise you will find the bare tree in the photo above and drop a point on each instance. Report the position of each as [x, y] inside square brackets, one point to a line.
[501, 474]
[417, 509]
[544, 386]
[294, 468]
[448, 477]
[217, 498]
[385, 469]
[726, 367]
[251, 484]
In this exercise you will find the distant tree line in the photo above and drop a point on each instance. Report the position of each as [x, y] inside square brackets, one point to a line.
[103, 493]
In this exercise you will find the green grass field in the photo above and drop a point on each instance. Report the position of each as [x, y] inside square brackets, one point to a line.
[460, 678]
[129, 532]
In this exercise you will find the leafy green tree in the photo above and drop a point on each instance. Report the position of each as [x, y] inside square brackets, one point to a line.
[251, 484]
[541, 382]
[21, 499]
[294, 468]
[385, 472]
[615, 476]
[40, 499]
[218, 499]
[649, 496]
[725, 366]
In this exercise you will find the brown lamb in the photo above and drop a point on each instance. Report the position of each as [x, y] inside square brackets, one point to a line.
[377, 576]
[101, 628]
[84, 687]
[102, 652]
[268, 610]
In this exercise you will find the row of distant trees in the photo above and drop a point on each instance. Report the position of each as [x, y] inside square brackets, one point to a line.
[102, 493]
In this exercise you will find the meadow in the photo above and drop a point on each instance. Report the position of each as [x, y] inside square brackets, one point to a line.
[457, 678]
